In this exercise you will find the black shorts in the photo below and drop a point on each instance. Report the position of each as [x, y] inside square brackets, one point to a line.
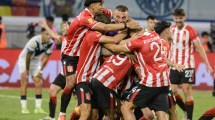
[156, 98]
[69, 64]
[60, 81]
[187, 76]
[83, 92]
[102, 96]
[171, 98]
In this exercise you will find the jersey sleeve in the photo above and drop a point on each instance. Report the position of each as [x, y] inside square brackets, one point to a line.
[95, 36]
[193, 34]
[107, 12]
[31, 46]
[134, 44]
[88, 22]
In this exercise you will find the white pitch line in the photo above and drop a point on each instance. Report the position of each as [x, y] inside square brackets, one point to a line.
[18, 97]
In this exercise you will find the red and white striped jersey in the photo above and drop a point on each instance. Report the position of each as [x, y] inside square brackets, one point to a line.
[182, 46]
[63, 42]
[165, 48]
[77, 29]
[113, 70]
[89, 59]
[148, 49]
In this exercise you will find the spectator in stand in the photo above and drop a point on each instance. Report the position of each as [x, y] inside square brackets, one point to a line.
[204, 41]
[3, 39]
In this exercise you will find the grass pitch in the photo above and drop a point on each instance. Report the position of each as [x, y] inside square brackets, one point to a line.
[11, 109]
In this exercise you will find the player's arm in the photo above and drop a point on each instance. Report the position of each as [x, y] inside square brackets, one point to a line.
[44, 61]
[106, 52]
[51, 33]
[178, 67]
[113, 27]
[116, 48]
[202, 53]
[115, 39]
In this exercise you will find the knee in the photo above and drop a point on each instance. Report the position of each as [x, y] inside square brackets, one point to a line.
[149, 116]
[52, 92]
[70, 81]
[125, 106]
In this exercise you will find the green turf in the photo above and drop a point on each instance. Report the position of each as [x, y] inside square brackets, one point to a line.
[10, 104]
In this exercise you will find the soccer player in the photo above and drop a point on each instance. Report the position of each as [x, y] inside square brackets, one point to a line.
[70, 55]
[151, 21]
[89, 62]
[152, 90]
[37, 47]
[60, 81]
[184, 39]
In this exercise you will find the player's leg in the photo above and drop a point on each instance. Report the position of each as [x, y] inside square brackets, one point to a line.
[69, 68]
[23, 92]
[84, 99]
[189, 102]
[187, 81]
[173, 113]
[208, 115]
[56, 86]
[127, 110]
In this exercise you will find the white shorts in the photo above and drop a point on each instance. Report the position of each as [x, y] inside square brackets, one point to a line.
[33, 70]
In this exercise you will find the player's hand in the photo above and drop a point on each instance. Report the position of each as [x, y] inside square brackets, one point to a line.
[40, 74]
[43, 23]
[133, 24]
[179, 67]
[132, 58]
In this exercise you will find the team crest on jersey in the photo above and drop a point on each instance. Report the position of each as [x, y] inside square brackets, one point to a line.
[70, 68]
[164, 48]
[90, 20]
[159, 8]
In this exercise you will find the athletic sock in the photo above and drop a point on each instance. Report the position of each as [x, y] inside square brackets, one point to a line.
[38, 101]
[65, 98]
[180, 102]
[52, 106]
[189, 108]
[23, 101]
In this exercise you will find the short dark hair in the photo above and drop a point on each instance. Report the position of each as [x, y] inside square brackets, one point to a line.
[122, 8]
[204, 33]
[50, 18]
[161, 26]
[65, 17]
[0, 18]
[100, 17]
[42, 29]
[151, 17]
[87, 3]
[179, 12]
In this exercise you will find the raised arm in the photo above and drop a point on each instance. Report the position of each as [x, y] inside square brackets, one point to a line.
[51, 33]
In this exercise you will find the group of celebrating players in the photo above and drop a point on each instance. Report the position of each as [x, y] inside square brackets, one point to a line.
[117, 69]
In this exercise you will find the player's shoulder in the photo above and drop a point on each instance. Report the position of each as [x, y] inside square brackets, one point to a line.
[173, 26]
[189, 27]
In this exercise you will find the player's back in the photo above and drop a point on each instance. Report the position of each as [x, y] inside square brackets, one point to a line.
[154, 70]
[89, 58]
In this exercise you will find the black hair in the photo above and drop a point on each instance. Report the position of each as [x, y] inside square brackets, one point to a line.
[204, 33]
[100, 17]
[121, 8]
[179, 12]
[87, 3]
[65, 17]
[151, 17]
[42, 29]
[50, 18]
[161, 26]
